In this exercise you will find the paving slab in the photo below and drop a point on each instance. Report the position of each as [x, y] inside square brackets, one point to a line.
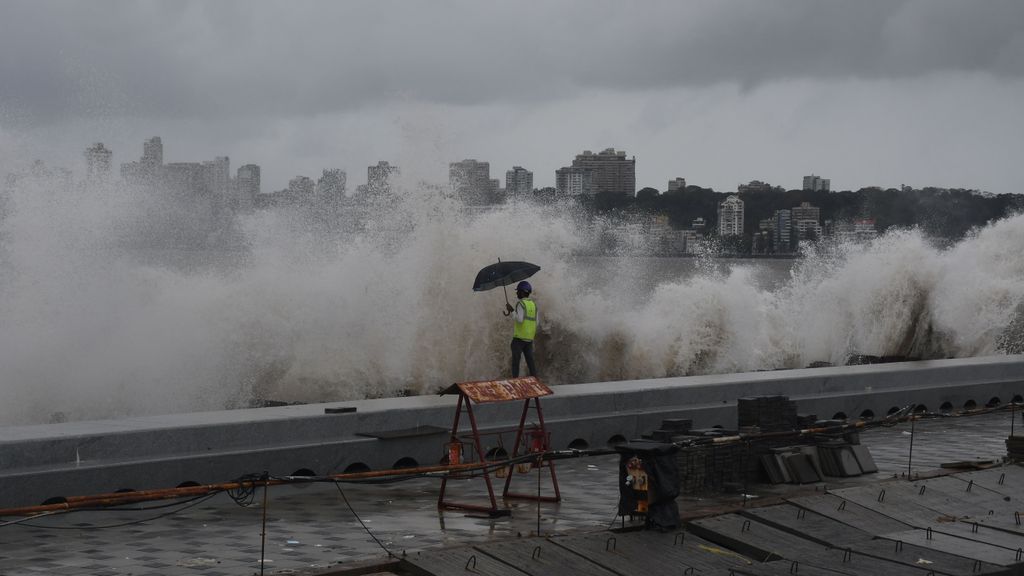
[888, 499]
[463, 560]
[775, 546]
[939, 559]
[784, 568]
[809, 525]
[982, 533]
[543, 558]
[752, 538]
[849, 513]
[947, 544]
[648, 552]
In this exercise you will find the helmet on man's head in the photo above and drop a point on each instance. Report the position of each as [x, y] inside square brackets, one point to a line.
[524, 286]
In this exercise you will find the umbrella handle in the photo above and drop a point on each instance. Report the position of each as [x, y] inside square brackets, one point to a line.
[508, 305]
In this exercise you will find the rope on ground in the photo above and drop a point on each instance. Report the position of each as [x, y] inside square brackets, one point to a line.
[361, 523]
[245, 494]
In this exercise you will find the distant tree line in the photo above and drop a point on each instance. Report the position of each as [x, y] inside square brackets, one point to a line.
[946, 214]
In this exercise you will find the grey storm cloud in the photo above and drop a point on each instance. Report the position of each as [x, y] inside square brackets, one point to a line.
[62, 60]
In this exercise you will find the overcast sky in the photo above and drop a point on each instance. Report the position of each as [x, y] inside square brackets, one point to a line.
[865, 92]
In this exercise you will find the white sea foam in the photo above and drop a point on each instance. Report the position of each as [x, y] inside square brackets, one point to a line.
[94, 327]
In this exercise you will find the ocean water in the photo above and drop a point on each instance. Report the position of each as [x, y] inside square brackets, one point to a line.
[104, 313]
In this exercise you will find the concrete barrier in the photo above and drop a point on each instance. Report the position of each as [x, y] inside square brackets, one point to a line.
[76, 458]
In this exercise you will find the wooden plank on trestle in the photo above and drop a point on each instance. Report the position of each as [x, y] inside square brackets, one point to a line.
[849, 513]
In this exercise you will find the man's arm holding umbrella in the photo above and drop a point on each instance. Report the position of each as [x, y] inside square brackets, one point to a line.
[519, 310]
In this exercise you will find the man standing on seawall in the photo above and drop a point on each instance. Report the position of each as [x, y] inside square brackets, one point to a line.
[525, 316]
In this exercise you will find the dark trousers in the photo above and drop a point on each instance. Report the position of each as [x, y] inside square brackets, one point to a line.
[522, 348]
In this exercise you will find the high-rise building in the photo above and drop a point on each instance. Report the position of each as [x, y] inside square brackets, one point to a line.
[378, 178]
[331, 185]
[301, 188]
[807, 229]
[248, 178]
[97, 161]
[806, 212]
[152, 155]
[518, 182]
[730, 217]
[781, 231]
[218, 175]
[689, 239]
[610, 171]
[132, 173]
[676, 184]
[470, 180]
[148, 169]
[806, 221]
[865, 229]
[247, 186]
[185, 177]
[574, 181]
[816, 183]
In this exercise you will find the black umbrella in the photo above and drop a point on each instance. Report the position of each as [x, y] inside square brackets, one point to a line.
[502, 274]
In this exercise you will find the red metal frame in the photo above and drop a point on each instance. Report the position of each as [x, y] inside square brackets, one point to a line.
[527, 389]
[550, 464]
[493, 510]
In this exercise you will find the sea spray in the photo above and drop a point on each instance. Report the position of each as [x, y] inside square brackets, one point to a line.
[105, 312]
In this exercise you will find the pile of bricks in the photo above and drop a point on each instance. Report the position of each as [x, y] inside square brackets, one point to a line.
[1015, 448]
[712, 468]
[769, 413]
[705, 466]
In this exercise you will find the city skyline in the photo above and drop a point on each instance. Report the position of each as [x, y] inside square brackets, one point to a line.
[99, 158]
[869, 93]
[609, 171]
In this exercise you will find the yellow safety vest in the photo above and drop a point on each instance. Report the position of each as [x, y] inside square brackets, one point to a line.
[527, 329]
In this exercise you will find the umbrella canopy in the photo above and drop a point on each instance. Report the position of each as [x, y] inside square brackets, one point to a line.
[503, 274]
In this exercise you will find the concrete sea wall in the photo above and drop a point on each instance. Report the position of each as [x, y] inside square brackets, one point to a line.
[78, 458]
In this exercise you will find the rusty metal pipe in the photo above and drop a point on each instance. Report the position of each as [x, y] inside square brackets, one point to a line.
[121, 498]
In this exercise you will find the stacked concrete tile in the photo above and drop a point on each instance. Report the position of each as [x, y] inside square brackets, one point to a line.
[769, 413]
[1015, 448]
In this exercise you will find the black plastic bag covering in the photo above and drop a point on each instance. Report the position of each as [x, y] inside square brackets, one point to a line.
[659, 462]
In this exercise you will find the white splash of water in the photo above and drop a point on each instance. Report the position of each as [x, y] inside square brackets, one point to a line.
[90, 329]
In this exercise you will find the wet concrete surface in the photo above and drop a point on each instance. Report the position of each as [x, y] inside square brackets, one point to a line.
[311, 528]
